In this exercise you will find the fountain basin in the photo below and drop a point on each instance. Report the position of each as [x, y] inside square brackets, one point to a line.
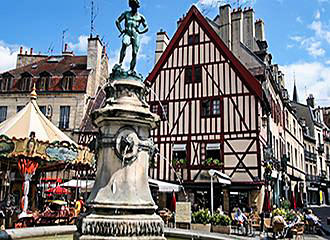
[66, 233]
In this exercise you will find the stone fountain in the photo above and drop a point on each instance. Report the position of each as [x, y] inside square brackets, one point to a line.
[120, 205]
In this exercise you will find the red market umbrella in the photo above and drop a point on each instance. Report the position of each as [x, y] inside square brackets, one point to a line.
[173, 202]
[267, 207]
[293, 200]
[58, 190]
[300, 202]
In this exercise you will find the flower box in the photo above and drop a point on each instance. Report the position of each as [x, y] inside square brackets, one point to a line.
[201, 227]
[221, 229]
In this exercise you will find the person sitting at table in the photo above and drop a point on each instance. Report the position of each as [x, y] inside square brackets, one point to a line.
[310, 216]
[242, 220]
[279, 225]
[292, 224]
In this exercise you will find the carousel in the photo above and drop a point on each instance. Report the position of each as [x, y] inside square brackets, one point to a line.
[30, 143]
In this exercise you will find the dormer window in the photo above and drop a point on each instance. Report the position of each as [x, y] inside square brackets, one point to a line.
[25, 83]
[67, 81]
[6, 82]
[43, 81]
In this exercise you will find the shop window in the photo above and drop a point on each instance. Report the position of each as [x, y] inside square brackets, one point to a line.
[193, 74]
[210, 108]
[193, 39]
[3, 113]
[213, 154]
[64, 117]
[179, 155]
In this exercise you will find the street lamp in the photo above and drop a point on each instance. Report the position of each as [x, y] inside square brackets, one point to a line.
[212, 172]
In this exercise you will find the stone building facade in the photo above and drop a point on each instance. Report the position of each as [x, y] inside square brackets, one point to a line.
[65, 84]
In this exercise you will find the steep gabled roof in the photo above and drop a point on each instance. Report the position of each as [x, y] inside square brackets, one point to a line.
[193, 14]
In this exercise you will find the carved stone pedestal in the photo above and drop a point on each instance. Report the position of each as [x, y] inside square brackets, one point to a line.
[120, 204]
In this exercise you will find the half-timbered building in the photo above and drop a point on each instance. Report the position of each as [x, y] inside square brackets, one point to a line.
[211, 108]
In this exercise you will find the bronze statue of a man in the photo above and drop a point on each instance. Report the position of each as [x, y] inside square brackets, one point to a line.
[133, 21]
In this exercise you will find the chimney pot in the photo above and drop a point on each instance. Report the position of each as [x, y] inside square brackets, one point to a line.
[21, 50]
[31, 51]
[65, 47]
[25, 52]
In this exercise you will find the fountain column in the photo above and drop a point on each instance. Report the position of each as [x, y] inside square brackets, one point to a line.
[120, 205]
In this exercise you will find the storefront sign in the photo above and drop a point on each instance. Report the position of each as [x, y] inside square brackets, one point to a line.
[183, 212]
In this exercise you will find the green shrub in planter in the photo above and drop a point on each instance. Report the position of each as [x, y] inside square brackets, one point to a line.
[202, 216]
[220, 220]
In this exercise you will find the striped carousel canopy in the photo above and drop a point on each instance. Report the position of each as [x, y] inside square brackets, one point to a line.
[31, 119]
[30, 134]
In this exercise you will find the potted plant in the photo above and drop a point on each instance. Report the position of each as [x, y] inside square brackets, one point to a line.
[221, 223]
[201, 220]
[176, 163]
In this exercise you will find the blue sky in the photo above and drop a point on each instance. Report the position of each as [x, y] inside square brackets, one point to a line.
[298, 32]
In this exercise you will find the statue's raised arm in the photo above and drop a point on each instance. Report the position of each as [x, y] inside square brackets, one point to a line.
[130, 34]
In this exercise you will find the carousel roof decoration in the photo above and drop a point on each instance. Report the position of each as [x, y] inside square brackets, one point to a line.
[29, 134]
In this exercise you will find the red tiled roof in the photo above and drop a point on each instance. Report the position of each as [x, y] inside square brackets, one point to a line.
[56, 66]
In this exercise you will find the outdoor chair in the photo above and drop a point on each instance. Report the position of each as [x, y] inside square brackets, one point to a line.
[298, 231]
[310, 226]
[255, 222]
[268, 228]
[278, 230]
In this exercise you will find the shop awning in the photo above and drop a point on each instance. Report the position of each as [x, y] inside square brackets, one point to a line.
[213, 146]
[221, 177]
[179, 147]
[74, 183]
[164, 186]
[295, 178]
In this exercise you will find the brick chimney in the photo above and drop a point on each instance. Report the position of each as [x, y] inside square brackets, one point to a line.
[310, 101]
[260, 30]
[162, 41]
[23, 58]
[237, 29]
[248, 28]
[225, 24]
[66, 51]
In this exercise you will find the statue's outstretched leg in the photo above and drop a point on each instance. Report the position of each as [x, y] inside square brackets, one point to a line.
[135, 50]
[122, 54]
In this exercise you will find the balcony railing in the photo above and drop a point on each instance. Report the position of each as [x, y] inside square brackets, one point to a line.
[313, 178]
[309, 156]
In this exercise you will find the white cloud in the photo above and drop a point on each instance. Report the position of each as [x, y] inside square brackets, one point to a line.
[299, 20]
[321, 31]
[311, 45]
[311, 77]
[317, 15]
[8, 56]
[81, 46]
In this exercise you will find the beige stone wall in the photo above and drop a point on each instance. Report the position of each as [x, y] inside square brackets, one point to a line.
[294, 137]
[76, 101]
